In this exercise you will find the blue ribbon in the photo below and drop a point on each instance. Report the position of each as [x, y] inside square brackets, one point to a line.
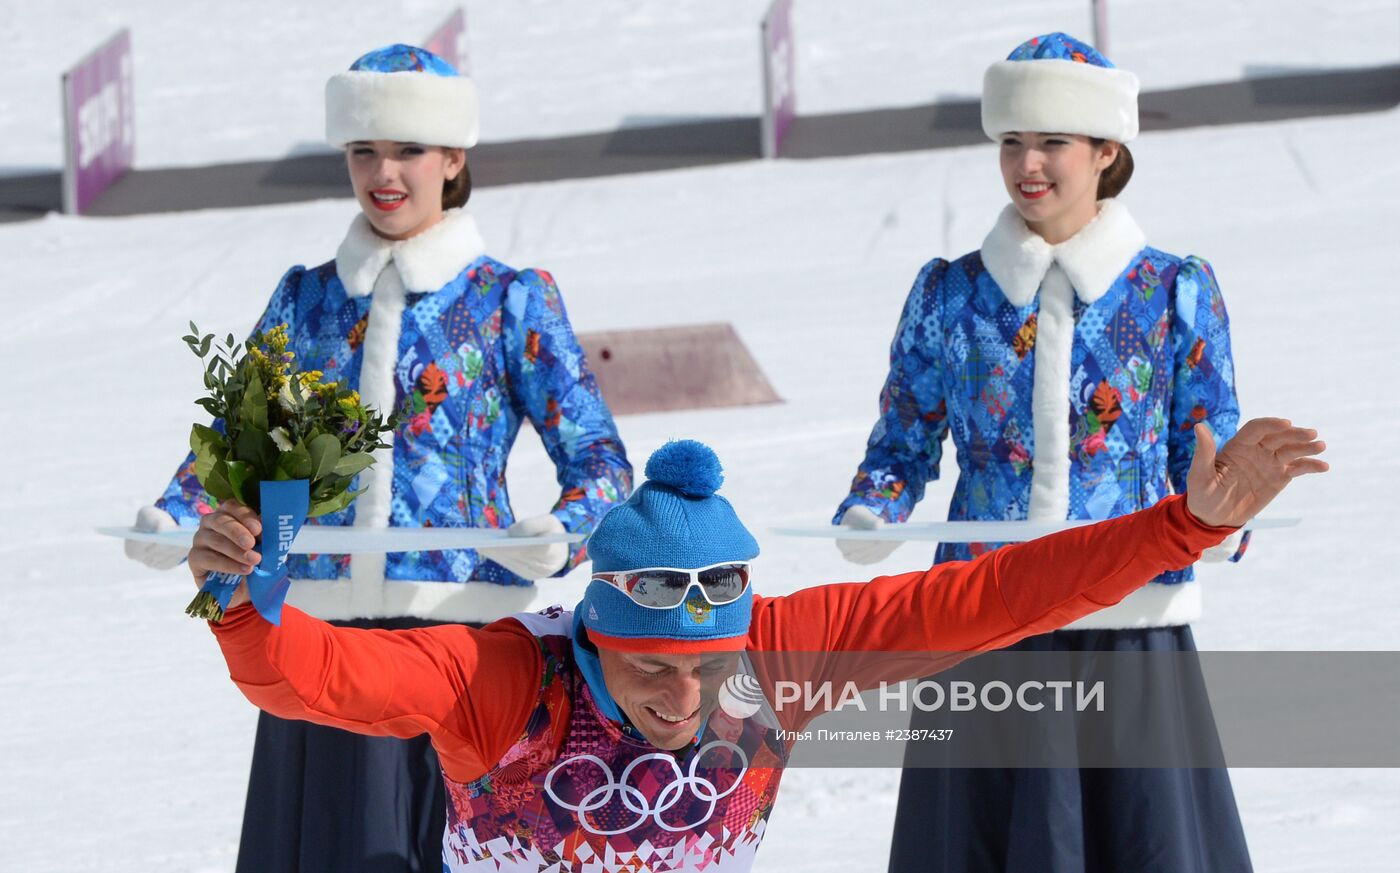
[284, 508]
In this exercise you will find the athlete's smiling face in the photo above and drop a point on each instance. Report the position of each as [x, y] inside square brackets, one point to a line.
[667, 697]
[399, 184]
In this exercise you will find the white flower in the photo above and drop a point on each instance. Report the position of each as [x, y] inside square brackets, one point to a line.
[282, 438]
[286, 399]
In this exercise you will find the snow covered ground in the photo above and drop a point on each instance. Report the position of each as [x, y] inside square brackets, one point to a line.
[240, 81]
[126, 748]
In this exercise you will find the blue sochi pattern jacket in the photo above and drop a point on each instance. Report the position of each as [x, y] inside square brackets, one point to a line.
[1070, 377]
[470, 350]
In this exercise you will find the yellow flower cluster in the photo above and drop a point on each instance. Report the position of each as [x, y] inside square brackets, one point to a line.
[272, 360]
[273, 363]
[350, 404]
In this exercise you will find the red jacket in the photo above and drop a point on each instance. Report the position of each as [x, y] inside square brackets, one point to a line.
[472, 690]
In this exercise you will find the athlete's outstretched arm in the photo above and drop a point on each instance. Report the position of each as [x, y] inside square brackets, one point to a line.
[1030, 588]
[471, 690]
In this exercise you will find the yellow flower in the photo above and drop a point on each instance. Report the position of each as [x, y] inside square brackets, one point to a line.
[270, 352]
[276, 337]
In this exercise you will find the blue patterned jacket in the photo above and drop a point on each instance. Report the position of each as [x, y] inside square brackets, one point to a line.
[475, 348]
[1070, 377]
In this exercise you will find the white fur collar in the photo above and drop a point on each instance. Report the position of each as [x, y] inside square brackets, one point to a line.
[425, 262]
[1092, 259]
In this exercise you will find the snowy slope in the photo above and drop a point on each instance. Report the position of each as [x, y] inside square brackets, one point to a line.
[126, 748]
[239, 81]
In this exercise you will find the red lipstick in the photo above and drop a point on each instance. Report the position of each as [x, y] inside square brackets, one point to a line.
[387, 199]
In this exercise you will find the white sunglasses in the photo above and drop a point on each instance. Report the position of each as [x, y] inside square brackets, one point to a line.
[668, 587]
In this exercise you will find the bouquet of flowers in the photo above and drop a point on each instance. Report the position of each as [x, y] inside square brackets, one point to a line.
[284, 443]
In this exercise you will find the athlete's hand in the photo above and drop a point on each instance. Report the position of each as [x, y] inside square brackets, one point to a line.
[1228, 488]
[226, 543]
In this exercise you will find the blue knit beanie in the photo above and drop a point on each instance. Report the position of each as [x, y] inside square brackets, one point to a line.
[401, 93]
[675, 519]
[1058, 84]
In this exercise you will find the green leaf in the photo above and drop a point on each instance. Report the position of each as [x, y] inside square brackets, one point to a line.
[204, 438]
[254, 406]
[217, 483]
[257, 448]
[204, 347]
[324, 489]
[349, 465]
[209, 447]
[211, 406]
[334, 504]
[244, 481]
[203, 464]
[295, 464]
[325, 454]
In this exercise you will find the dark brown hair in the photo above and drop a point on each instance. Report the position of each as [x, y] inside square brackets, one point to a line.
[457, 190]
[1115, 178]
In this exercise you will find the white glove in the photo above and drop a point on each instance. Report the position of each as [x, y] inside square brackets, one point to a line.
[1225, 551]
[532, 562]
[865, 551]
[152, 519]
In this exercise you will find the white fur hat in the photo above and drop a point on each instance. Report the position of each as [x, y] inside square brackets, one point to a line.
[1057, 84]
[405, 94]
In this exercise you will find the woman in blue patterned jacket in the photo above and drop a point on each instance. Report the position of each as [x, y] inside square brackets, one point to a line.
[1070, 362]
[412, 311]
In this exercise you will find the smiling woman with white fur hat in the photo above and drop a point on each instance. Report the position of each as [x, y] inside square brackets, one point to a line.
[413, 311]
[1071, 362]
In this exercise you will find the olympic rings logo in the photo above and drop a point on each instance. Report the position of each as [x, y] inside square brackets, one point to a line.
[637, 802]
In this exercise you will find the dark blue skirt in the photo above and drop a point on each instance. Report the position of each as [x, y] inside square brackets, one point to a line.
[324, 799]
[1046, 820]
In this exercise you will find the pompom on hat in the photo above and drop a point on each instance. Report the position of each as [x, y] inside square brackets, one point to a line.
[1058, 84]
[405, 94]
[675, 519]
